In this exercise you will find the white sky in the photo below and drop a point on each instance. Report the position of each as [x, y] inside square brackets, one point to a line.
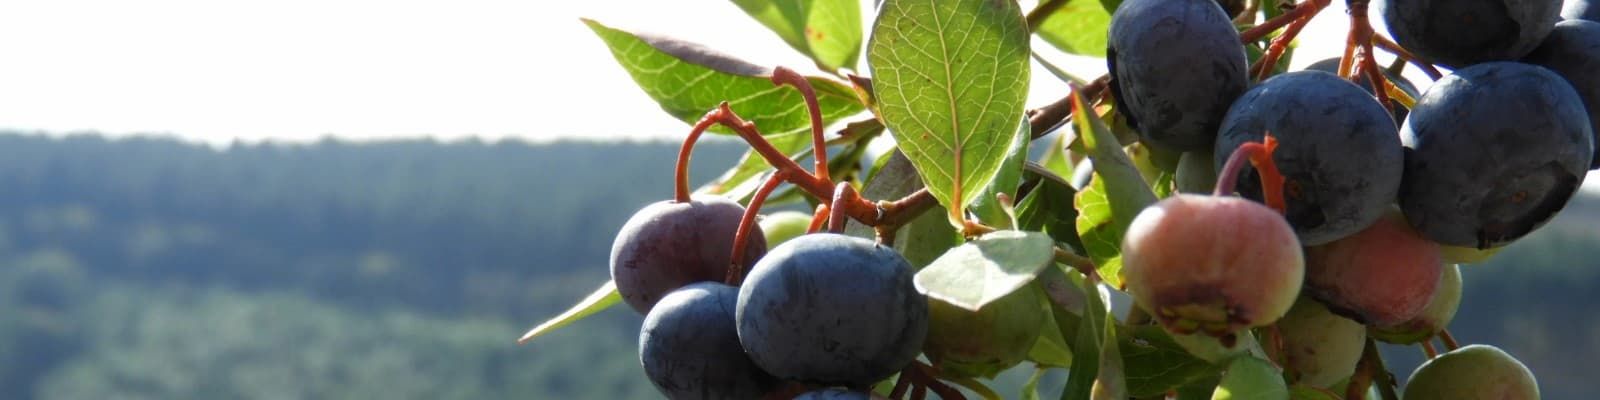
[218, 71]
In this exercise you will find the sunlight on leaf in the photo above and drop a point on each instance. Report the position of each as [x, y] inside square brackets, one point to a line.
[601, 299]
[951, 78]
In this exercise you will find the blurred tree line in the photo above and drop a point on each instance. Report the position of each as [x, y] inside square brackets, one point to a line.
[151, 268]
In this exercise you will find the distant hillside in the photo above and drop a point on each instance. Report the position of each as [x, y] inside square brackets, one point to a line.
[151, 268]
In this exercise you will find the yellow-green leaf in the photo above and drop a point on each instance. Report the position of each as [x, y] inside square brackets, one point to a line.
[602, 298]
[950, 79]
[829, 31]
[688, 79]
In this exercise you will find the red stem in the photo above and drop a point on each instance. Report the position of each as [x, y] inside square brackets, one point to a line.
[1260, 156]
[784, 76]
[1305, 9]
[681, 194]
[1361, 30]
[747, 224]
[842, 193]
[818, 219]
[1427, 348]
[859, 209]
[1392, 47]
[1450, 343]
[1279, 45]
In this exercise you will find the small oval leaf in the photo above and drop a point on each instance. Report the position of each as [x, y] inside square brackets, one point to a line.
[981, 271]
[600, 299]
[950, 79]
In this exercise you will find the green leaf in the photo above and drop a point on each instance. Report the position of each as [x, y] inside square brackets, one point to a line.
[987, 205]
[1111, 382]
[1078, 27]
[950, 79]
[1051, 349]
[924, 238]
[984, 270]
[1086, 345]
[687, 80]
[602, 298]
[829, 31]
[1115, 196]
[1110, 5]
[1307, 392]
[1155, 363]
[1030, 389]
[1250, 378]
[1048, 208]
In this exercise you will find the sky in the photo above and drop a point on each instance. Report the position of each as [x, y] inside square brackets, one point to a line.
[222, 71]
[297, 70]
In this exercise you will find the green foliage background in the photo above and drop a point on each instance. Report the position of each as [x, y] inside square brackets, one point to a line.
[154, 269]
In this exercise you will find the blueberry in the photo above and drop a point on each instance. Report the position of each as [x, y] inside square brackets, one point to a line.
[1573, 51]
[1459, 33]
[1495, 150]
[670, 244]
[690, 348]
[834, 394]
[833, 310]
[1175, 66]
[1338, 151]
[1581, 9]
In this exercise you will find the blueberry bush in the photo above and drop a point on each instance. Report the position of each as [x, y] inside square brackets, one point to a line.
[1270, 226]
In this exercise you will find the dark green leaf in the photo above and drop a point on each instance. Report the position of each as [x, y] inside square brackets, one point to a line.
[600, 299]
[1086, 345]
[1111, 382]
[687, 80]
[1051, 349]
[1079, 27]
[987, 206]
[984, 270]
[950, 79]
[1156, 364]
[829, 31]
[1048, 208]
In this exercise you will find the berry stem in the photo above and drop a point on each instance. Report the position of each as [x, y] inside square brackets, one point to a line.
[1449, 341]
[1042, 12]
[1381, 376]
[1083, 264]
[818, 219]
[859, 209]
[1260, 156]
[1042, 120]
[681, 192]
[746, 224]
[902, 384]
[1279, 45]
[927, 377]
[1362, 379]
[1305, 9]
[1427, 348]
[784, 76]
[1361, 34]
[1400, 52]
[843, 193]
